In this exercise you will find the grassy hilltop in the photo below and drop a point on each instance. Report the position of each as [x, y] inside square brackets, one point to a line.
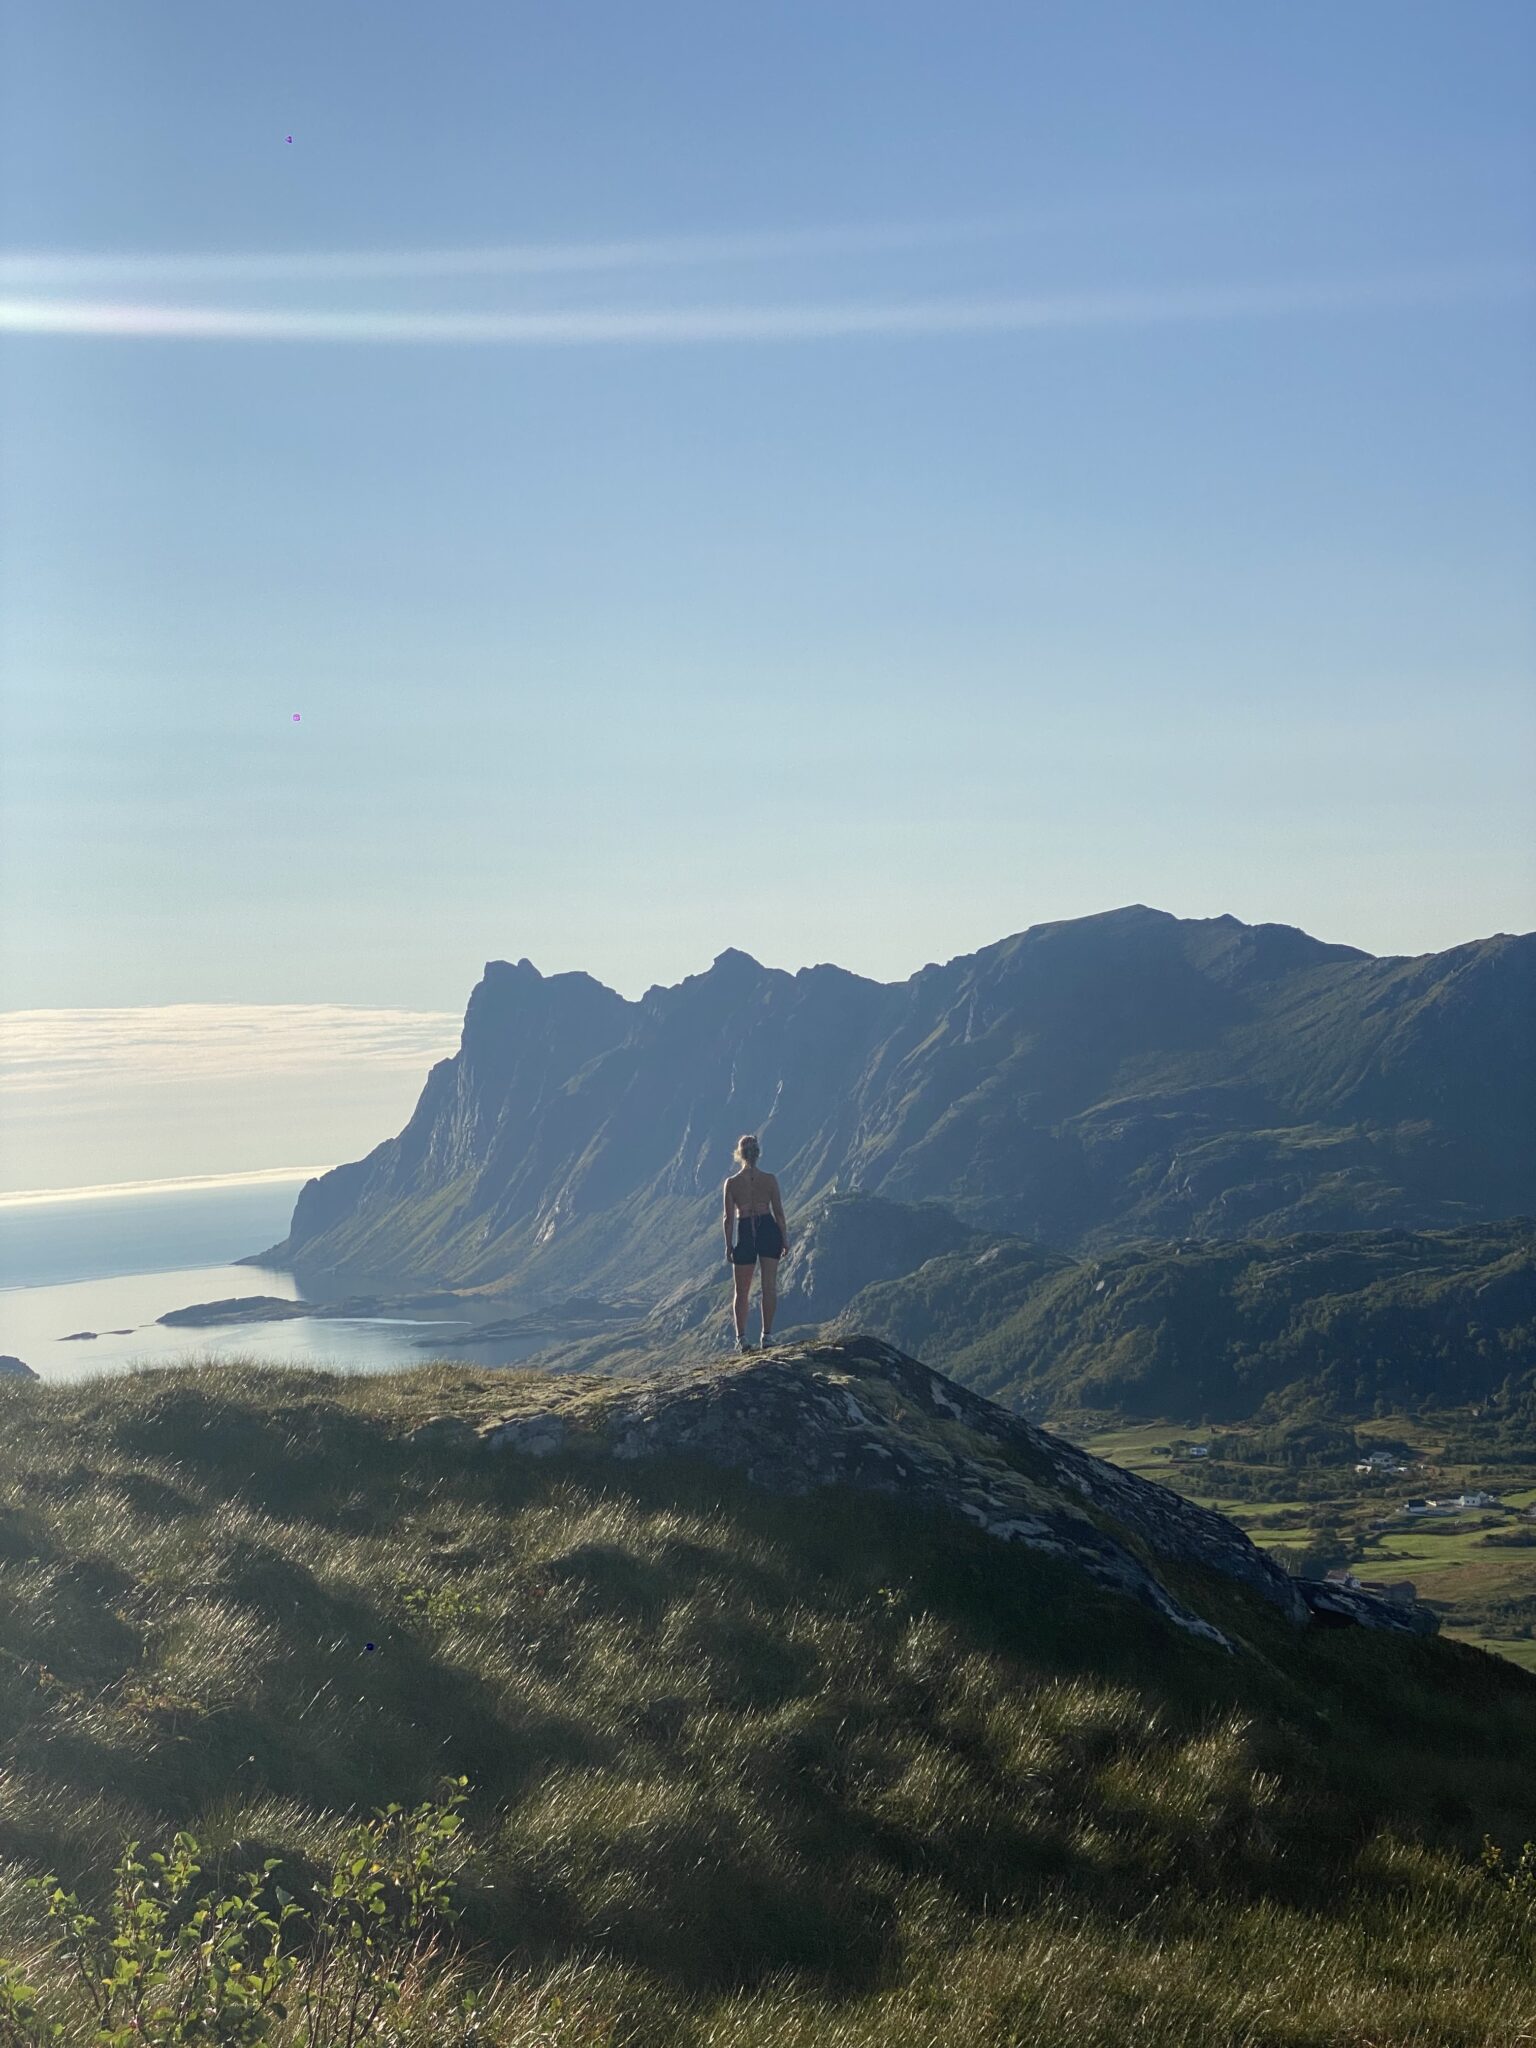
[743, 1770]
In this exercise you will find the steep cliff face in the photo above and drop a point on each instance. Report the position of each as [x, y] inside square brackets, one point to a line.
[861, 1414]
[486, 1130]
[1120, 1076]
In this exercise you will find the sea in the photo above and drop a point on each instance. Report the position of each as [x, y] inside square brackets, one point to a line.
[110, 1264]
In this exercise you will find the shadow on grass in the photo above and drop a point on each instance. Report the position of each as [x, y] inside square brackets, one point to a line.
[334, 1722]
[290, 1460]
[703, 1898]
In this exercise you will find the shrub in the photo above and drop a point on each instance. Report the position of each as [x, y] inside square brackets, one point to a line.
[168, 1977]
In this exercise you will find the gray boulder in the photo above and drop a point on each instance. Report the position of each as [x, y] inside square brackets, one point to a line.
[537, 1436]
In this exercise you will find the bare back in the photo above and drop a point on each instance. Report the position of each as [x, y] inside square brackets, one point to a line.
[753, 1193]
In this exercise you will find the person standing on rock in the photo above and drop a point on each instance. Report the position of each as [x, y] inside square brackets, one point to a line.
[762, 1236]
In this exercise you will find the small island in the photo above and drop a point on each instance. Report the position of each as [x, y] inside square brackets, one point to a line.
[579, 1317]
[271, 1308]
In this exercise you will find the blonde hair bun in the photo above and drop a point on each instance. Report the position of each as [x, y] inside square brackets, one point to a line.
[747, 1149]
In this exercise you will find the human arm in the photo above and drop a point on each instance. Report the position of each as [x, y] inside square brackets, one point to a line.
[778, 1212]
[730, 1203]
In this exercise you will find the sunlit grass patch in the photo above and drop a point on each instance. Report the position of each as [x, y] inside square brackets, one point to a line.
[743, 1769]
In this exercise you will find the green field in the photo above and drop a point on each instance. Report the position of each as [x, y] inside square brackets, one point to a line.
[1468, 1581]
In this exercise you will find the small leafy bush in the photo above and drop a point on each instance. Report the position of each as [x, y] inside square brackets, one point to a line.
[1517, 1878]
[170, 1977]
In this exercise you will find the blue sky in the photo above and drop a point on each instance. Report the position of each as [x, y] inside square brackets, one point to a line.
[843, 481]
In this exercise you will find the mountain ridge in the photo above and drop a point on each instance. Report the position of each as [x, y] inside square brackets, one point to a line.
[1084, 1082]
[1344, 1325]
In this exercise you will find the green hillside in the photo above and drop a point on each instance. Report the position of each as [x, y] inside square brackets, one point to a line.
[742, 1770]
[1351, 1324]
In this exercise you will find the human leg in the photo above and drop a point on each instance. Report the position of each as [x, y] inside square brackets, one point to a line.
[743, 1278]
[768, 1293]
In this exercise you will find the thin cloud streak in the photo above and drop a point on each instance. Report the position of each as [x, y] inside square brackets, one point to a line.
[535, 259]
[697, 324]
[32, 1198]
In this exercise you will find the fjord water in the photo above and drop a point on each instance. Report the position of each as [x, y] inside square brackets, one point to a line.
[99, 1237]
[113, 1263]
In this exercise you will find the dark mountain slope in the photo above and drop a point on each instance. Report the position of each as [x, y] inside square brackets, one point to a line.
[1346, 1324]
[1112, 1077]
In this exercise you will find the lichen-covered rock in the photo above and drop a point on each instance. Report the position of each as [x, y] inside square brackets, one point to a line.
[535, 1435]
[860, 1413]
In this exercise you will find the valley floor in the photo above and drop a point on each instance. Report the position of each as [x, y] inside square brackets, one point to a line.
[1475, 1568]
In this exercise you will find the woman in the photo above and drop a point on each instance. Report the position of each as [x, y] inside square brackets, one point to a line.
[763, 1236]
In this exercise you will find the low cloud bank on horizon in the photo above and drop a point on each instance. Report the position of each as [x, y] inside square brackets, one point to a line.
[60, 1070]
[1492, 283]
[47, 1051]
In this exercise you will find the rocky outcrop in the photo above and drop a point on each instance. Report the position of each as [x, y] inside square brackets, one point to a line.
[15, 1368]
[1349, 1607]
[864, 1415]
[1125, 1076]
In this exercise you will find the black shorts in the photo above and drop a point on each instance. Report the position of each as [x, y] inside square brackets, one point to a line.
[757, 1237]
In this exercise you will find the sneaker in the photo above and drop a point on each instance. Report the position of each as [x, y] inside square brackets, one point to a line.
[743, 1345]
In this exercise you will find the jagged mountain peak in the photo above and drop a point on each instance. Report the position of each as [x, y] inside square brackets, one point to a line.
[730, 968]
[731, 977]
[503, 974]
[507, 993]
